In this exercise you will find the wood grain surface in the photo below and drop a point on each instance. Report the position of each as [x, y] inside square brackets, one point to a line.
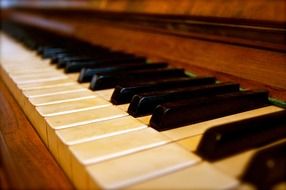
[25, 161]
[249, 66]
[273, 10]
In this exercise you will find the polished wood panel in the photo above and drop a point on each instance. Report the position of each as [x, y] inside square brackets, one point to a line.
[251, 67]
[26, 162]
[251, 9]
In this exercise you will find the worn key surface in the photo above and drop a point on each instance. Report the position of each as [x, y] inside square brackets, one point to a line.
[174, 114]
[77, 66]
[144, 103]
[86, 74]
[101, 81]
[123, 93]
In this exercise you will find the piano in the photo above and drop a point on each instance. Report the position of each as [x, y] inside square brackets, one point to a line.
[143, 94]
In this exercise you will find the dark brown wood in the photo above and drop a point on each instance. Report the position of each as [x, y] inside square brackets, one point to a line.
[25, 161]
[254, 33]
[266, 10]
[252, 67]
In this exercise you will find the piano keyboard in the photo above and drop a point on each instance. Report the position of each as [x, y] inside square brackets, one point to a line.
[149, 137]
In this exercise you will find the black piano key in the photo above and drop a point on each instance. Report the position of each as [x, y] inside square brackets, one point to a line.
[105, 81]
[143, 104]
[54, 57]
[58, 56]
[49, 51]
[85, 57]
[66, 59]
[267, 168]
[123, 93]
[228, 139]
[29, 43]
[86, 74]
[179, 113]
[77, 66]
[63, 59]
[70, 55]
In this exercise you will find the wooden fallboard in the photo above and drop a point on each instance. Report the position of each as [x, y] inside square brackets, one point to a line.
[263, 10]
[232, 40]
[250, 66]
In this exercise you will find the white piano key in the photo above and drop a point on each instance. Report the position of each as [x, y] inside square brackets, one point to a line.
[73, 76]
[199, 176]
[84, 117]
[123, 107]
[93, 131]
[76, 119]
[145, 119]
[32, 71]
[67, 97]
[52, 91]
[98, 130]
[103, 149]
[128, 170]
[85, 85]
[35, 76]
[72, 106]
[46, 84]
[106, 94]
[58, 77]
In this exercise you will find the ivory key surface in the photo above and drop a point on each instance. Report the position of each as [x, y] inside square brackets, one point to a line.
[47, 84]
[85, 85]
[72, 106]
[93, 131]
[35, 76]
[31, 71]
[27, 81]
[73, 76]
[123, 107]
[128, 170]
[111, 147]
[199, 176]
[84, 117]
[99, 130]
[52, 90]
[106, 94]
[67, 97]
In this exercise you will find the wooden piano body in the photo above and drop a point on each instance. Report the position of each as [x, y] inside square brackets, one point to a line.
[232, 40]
